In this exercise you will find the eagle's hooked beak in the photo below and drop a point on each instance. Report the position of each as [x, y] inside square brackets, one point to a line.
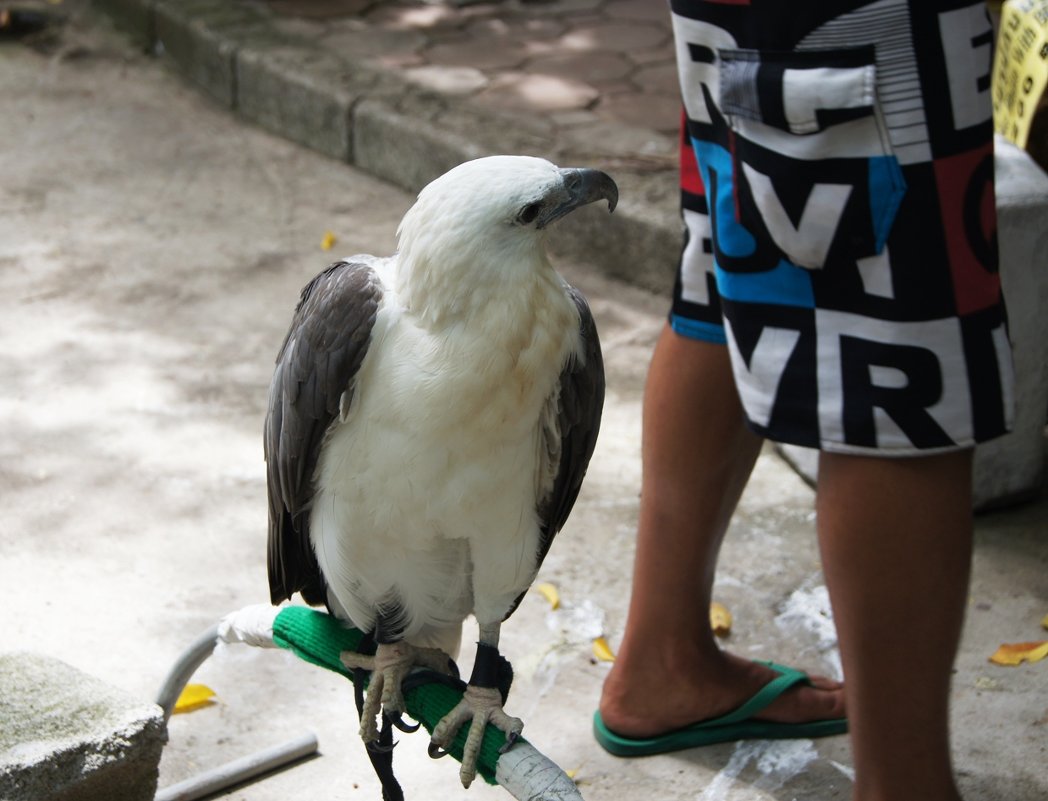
[579, 186]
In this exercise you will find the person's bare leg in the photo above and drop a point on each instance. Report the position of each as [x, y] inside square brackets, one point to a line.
[896, 540]
[697, 456]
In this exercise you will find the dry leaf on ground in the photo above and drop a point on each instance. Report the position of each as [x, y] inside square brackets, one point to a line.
[193, 697]
[1015, 653]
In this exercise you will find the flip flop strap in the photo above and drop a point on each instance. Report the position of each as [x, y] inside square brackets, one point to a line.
[765, 696]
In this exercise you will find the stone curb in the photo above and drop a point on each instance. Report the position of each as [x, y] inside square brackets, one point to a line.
[392, 129]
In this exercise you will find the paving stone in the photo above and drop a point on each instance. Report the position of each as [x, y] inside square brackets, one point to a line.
[574, 117]
[652, 110]
[366, 42]
[588, 68]
[321, 9]
[653, 55]
[565, 8]
[525, 27]
[519, 90]
[661, 78]
[400, 16]
[614, 36]
[637, 10]
[484, 55]
[449, 80]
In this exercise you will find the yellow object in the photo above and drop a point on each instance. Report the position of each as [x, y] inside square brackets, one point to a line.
[193, 697]
[328, 241]
[549, 592]
[602, 650]
[1044, 622]
[1020, 70]
[1012, 654]
[720, 619]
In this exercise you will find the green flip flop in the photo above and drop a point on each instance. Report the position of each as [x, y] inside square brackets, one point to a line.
[736, 725]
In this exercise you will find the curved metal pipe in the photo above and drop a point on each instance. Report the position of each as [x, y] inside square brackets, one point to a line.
[182, 671]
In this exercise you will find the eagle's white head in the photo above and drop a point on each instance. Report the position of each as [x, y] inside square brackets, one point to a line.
[482, 224]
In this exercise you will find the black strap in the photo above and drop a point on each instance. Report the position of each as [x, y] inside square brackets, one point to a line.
[492, 669]
[381, 752]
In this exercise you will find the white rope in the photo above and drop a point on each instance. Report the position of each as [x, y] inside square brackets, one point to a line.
[252, 625]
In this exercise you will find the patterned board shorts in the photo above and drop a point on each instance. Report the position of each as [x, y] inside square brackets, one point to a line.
[840, 227]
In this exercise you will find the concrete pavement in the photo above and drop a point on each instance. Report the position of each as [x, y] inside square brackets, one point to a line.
[151, 250]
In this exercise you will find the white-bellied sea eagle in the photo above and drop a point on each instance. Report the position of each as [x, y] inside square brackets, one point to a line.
[431, 417]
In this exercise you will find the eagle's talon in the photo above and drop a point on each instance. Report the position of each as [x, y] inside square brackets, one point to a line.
[435, 751]
[389, 666]
[375, 747]
[480, 707]
[511, 740]
[398, 722]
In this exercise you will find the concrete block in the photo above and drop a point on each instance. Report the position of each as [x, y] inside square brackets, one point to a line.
[1011, 468]
[282, 93]
[66, 736]
[305, 94]
[202, 37]
[402, 149]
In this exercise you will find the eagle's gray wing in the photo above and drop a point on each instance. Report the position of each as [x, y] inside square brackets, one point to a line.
[314, 378]
[580, 402]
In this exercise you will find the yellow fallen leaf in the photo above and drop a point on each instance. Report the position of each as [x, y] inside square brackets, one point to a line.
[720, 619]
[1044, 622]
[571, 773]
[328, 241]
[602, 650]
[1016, 653]
[193, 697]
[549, 592]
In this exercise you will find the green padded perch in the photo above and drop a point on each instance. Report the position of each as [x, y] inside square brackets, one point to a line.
[319, 638]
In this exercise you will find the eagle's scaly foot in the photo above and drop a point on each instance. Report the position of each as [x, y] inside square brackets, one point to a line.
[480, 705]
[390, 664]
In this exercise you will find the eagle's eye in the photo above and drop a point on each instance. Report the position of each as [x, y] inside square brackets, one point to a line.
[529, 213]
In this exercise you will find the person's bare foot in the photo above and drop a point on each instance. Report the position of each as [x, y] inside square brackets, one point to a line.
[649, 696]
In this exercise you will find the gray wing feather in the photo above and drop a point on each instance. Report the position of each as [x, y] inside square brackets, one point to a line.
[581, 405]
[317, 364]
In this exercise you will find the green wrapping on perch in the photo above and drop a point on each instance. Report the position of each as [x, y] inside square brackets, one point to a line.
[319, 638]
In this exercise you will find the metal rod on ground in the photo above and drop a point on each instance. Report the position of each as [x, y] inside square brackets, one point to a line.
[240, 770]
